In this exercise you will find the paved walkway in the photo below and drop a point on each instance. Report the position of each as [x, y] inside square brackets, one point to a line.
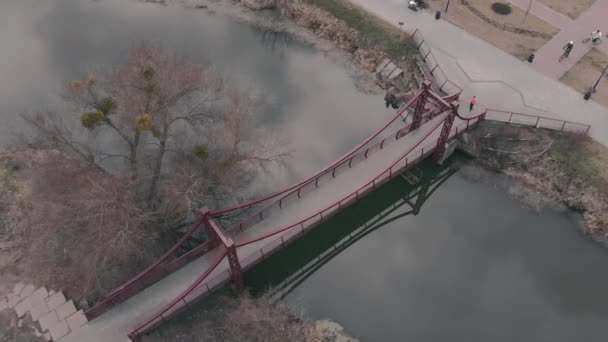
[498, 79]
[547, 57]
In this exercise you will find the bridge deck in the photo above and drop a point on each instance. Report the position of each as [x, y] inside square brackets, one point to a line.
[114, 324]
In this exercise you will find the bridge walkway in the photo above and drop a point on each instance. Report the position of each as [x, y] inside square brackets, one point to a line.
[114, 324]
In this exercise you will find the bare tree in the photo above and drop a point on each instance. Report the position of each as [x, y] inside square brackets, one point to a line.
[87, 228]
[182, 136]
[141, 102]
[237, 319]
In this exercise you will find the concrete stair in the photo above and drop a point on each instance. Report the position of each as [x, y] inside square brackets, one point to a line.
[56, 315]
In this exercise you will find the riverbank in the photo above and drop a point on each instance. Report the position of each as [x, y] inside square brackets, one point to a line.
[554, 167]
[337, 27]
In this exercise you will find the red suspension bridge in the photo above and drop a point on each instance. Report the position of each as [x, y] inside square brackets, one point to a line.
[239, 237]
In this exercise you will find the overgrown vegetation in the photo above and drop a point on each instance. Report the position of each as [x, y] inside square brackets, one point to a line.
[245, 318]
[145, 144]
[232, 319]
[373, 31]
[349, 27]
[567, 168]
[13, 329]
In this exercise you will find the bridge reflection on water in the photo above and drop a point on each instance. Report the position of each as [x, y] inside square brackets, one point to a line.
[280, 274]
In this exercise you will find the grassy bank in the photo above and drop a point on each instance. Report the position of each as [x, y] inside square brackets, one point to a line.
[374, 32]
[562, 167]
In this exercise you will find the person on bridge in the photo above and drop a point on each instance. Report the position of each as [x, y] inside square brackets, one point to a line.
[596, 37]
[472, 103]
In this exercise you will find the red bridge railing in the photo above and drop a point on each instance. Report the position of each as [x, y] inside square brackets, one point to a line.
[321, 178]
[292, 231]
[153, 273]
[326, 169]
[197, 289]
[202, 286]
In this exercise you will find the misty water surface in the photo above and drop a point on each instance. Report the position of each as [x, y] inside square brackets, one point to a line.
[474, 265]
[312, 108]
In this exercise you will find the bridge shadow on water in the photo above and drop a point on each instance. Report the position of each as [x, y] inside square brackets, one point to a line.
[284, 271]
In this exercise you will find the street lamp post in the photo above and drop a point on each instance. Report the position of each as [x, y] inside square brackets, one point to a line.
[592, 90]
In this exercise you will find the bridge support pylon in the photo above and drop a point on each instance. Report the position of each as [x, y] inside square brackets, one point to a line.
[216, 236]
[420, 104]
[445, 132]
[236, 272]
[212, 236]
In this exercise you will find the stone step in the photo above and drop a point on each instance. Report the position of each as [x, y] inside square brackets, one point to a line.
[18, 288]
[56, 316]
[65, 310]
[48, 320]
[27, 291]
[39, 310]
[12, 300]
[34, 299]
[56, 300]
[59, 329]
[76, 320]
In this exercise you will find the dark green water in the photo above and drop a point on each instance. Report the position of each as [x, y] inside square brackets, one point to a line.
[473, 265]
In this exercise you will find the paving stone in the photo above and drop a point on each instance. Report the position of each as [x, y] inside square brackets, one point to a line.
[39, 310]
[3, 304]
[56, 300]
[66, 309]
[36, 298]
[48, 320]
[22, 307]
[13, 300]
[76, 320]
[59, 329]
[27, 291]
[18, 288]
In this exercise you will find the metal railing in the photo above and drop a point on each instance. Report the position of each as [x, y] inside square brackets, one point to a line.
[195, 291]
[444, 84]
[316, 182]
[153, 273]
[291, 232]
[354, 150]
[537, 121]
[202, 286]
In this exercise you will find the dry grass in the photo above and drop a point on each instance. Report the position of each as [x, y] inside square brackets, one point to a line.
[565, 168]
[519, 44]
[571, 8]
[586, 72]
[353, 29]
[229, 319]
[13, 329]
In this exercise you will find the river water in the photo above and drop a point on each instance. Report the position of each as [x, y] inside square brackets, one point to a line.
[472, 265]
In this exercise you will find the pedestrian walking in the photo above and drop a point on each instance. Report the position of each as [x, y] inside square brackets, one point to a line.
[567, 48]
[472, 103]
